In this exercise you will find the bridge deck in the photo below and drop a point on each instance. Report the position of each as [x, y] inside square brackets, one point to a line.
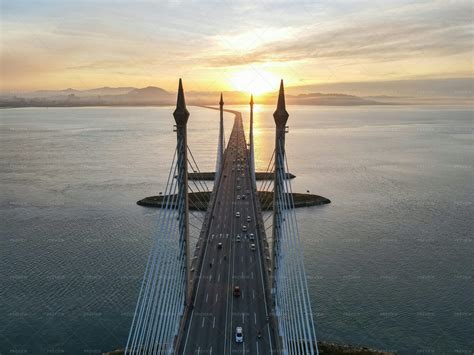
[216, 313]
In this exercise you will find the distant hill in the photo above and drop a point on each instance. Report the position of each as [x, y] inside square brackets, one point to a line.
[152, 95]
[150, 91]
[447, 91]
[107, 91]
[455, 88]
[330, 100]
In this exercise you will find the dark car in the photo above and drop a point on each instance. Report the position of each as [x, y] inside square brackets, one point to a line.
[236, 291]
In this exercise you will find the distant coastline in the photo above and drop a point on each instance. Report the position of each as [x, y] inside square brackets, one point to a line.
[155, 96]
[449, 91]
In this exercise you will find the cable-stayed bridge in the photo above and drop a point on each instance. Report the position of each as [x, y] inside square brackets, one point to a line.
[243, 288]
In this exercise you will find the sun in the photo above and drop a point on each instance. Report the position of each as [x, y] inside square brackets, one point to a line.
[254, 81]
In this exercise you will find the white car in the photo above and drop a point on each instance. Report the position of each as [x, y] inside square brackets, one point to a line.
[244, 228]
[238, 197]
[249, 218]
[252, 247]
[237, 214]
[251, 236]
[239, 337]
[237, 238]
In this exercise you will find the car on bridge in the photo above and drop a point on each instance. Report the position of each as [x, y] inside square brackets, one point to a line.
[249, 219]
[219, 245]
[251, 236]
[252, 247]
[237, 238]
[237, 214]
[236, 291]
[239, 337]
[244, 228]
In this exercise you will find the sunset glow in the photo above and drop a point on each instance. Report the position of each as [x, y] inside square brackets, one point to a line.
[254, 81]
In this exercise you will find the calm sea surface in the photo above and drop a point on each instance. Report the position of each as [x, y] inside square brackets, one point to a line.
[390, 261]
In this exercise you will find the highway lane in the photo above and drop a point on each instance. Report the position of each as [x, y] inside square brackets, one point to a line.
[216, 312]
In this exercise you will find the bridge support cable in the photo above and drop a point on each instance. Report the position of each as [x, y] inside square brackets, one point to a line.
[292, 274]
[266, 188]
[136, 326]
[291, 297]
[158, 299]
[164, 290]
[195, 167]
[309, 321]
[159, 257]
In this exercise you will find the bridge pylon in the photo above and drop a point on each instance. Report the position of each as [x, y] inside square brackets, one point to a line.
[281, 117]
[181, 115]
[165, 290]
[252, 147]
[220, 143]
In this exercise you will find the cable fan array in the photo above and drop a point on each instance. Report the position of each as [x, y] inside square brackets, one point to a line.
[162, 295]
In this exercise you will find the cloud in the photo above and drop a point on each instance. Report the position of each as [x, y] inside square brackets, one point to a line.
[56, 42]
[388, 40]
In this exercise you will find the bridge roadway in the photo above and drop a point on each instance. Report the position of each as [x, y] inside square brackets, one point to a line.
[216, 312]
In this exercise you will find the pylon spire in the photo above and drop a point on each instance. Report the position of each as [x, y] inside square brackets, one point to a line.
[181, 114]
[251, 99]
[221, 102]
[281, 115]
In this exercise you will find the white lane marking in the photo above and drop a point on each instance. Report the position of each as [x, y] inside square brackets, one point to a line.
[219, 277]
[214, 322]
[242, 274]
[243, 318]
[253, 293]
[199, 283]
[242, 294]
[189, 328]
[216, 296]
[255, 317]
[203, 319]
[250, 259]
[252, 274]
[199, 350]
[207, 296]
[257, 347]
[210, 351]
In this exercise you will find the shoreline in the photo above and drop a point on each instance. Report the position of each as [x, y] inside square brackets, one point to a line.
[324, 347]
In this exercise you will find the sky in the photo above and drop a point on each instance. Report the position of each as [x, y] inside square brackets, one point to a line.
[230, 45]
